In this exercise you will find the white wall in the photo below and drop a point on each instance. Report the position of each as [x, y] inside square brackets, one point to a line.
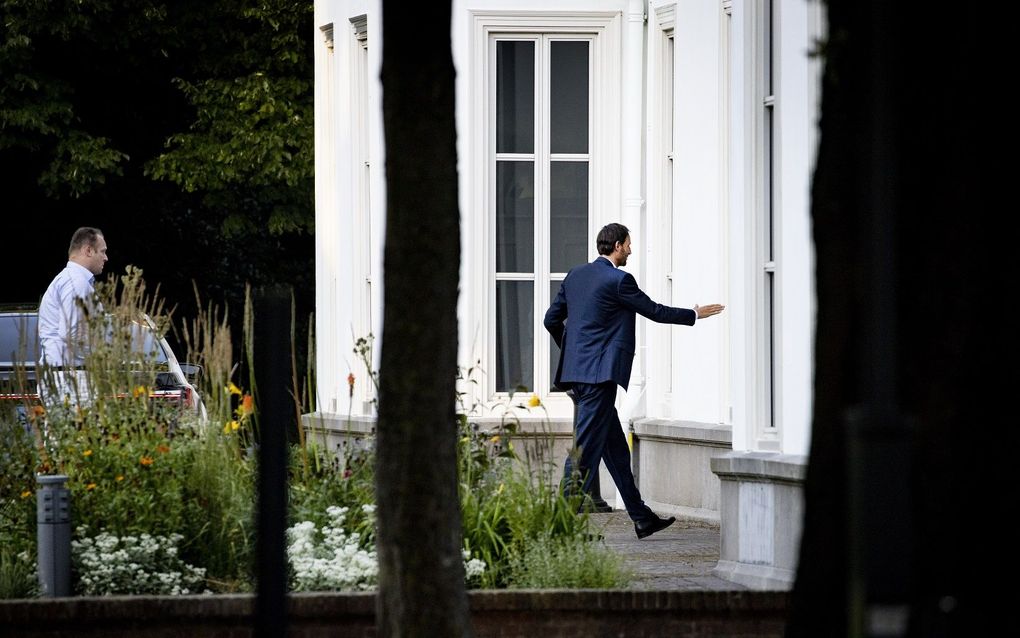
[699, 274]
[712, 363]
[336, 199]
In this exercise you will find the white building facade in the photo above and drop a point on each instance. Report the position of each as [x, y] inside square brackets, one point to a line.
[693, 123]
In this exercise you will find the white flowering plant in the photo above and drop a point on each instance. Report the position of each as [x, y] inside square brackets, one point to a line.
[143, 564]
[329, 558]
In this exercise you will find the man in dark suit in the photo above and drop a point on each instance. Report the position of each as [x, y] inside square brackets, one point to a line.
[592, 320]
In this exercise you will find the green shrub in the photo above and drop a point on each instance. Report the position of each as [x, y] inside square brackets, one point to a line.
[18, 575]
[548, 562]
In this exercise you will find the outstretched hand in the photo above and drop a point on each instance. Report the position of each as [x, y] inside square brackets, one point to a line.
[709, 310]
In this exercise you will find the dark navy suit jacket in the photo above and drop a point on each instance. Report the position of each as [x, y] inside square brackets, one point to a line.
[592, 321]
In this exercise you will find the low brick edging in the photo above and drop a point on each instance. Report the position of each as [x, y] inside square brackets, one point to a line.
[502, 613]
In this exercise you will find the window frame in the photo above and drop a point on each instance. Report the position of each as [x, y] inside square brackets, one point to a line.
[603, 29]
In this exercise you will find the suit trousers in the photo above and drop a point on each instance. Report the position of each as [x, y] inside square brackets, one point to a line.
[600, 438]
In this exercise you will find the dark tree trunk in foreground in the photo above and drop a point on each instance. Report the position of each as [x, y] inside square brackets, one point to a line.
[421, 574]
[904, 490]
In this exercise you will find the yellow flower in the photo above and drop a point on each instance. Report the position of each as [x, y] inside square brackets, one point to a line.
[233, 389]
[534, 401]
[87, 453]
[230, 426]
[140, 391]
[26, 494]
[90, 486]
[234, 425]
[494, 439]
[145, 460]
[120, 477]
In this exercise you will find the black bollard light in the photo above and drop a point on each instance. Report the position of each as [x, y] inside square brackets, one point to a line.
[53, 534]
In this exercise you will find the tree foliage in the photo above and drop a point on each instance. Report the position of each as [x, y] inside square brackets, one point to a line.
[250, 151]
[212, 97]
[182, 128]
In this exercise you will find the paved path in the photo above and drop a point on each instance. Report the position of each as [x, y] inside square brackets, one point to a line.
[680, 557]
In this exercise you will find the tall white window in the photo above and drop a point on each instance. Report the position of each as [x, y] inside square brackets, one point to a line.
[541, 192]
[767, 209]
[668, 116]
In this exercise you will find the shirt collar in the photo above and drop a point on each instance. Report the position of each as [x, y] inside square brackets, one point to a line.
[81, 271]
[608, 260]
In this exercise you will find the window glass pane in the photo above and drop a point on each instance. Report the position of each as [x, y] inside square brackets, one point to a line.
[568, 210]
[569, 97]
[554, 350]
[515, 216]
[515, 338]
[515, 97]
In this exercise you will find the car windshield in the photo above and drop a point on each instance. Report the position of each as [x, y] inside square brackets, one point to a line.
[143, 340]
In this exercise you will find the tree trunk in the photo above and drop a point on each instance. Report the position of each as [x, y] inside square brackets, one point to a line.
[905, 254]
[421, 573]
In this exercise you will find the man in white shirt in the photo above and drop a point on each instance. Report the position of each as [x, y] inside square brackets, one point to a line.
[61, 312]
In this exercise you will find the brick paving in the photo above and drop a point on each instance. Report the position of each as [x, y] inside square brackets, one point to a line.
[680, 557]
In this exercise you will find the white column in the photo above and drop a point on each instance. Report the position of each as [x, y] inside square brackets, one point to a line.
[632, 180]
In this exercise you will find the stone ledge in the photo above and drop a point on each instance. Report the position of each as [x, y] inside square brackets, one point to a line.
[361, 425]
[757, 577]
[761, 466]
[691, 431]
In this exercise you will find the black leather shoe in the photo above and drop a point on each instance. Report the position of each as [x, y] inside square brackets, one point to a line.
[652, 525]
[600, 507]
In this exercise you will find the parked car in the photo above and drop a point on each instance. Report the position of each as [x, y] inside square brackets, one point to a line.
[19, 351]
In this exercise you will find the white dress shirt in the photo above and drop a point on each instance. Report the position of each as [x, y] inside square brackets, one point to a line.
[60, 316]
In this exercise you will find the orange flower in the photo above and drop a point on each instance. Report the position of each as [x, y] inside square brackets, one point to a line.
[163, 449]
[145, 460]
[247, 405]
[90, 486]
[139, 391]
[26, 494]
[350, 383]
[38, 410]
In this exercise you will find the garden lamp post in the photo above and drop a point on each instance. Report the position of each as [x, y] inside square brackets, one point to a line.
[53, 532]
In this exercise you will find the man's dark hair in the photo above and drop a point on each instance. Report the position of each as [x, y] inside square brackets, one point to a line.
[608, 236]
[84, 236]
